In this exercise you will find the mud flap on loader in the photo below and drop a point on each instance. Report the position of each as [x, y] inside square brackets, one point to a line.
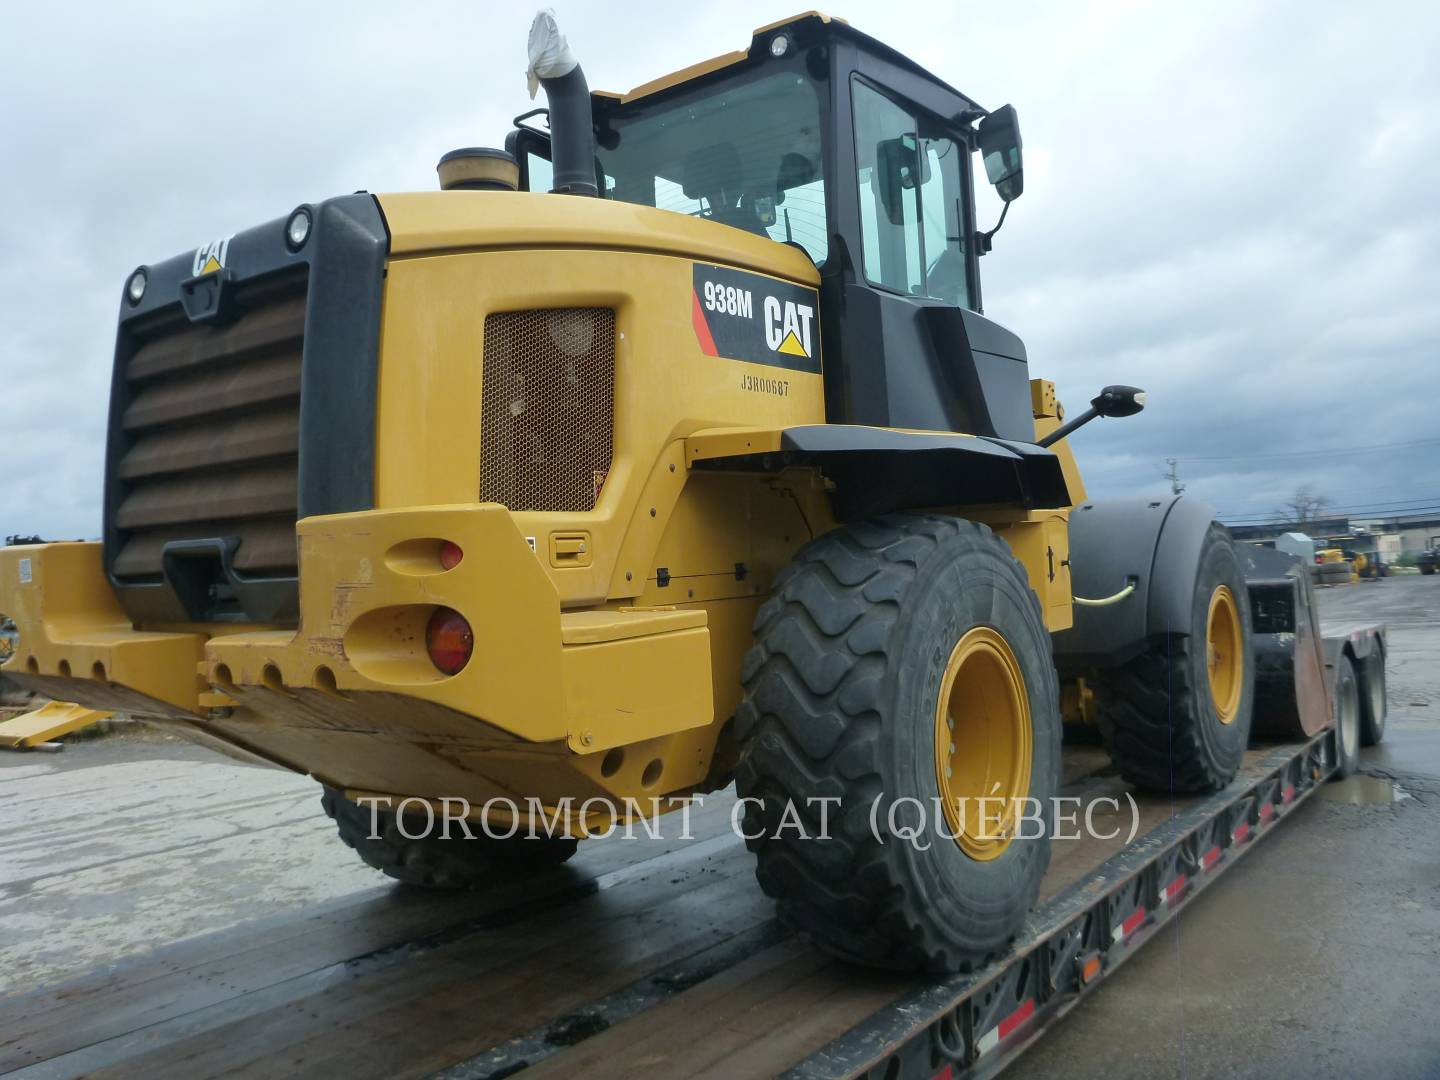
[50, 721]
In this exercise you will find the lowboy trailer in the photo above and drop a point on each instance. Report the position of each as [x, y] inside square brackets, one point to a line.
[695, 976]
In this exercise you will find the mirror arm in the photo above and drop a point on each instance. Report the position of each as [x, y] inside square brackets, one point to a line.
[982, 238]
[1112, 401]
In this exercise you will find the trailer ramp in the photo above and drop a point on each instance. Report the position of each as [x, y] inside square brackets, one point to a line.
[50, 721]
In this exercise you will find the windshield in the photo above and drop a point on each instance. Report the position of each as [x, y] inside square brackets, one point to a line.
[747, 155]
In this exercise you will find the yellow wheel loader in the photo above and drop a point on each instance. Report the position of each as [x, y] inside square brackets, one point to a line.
[667, 447]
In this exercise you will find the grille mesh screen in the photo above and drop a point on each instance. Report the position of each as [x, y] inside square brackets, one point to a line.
[548, 408]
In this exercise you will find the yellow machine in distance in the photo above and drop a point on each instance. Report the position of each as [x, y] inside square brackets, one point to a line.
[667, 447]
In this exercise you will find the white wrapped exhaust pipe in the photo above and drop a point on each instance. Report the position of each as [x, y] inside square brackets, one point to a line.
[572, 128]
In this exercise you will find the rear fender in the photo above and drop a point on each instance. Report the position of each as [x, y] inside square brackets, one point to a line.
[879, 470]
[1152, 544]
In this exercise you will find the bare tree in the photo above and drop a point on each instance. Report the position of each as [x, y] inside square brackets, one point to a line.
[1304, 509]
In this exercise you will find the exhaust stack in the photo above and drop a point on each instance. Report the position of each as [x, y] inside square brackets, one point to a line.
[572, 128]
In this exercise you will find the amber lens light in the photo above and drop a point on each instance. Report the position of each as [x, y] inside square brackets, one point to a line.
[450, 555]
[449, 640]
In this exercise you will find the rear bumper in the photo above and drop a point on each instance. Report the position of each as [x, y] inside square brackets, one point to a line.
[76, 644]
[582, 681]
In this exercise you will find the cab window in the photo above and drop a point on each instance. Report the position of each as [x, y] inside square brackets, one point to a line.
[911, 175]
[746, 154]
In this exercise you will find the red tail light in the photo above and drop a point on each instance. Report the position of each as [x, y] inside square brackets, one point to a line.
[450, 555]
[449, 640]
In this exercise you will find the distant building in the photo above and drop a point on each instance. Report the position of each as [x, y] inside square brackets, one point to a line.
[1394, 536]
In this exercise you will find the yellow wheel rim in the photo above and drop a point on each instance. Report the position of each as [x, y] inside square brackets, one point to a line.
[982, 743]
[1224, 653]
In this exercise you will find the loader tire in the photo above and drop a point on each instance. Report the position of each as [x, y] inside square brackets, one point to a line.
[1160, 714]
[435, 861]
[1334, 573]
[855, 672]
[1347, 718]
[1373, 706]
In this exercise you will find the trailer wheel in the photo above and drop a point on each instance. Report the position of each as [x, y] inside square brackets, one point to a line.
[1347, 718]
[901, 665]
[1427, 568]
[1373, 706]
[1177, 717]
[435, 861]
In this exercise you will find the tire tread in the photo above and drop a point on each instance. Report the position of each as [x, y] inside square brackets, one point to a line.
[811, 722]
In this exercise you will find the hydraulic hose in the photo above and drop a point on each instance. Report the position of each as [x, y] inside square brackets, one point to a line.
[1084, 601]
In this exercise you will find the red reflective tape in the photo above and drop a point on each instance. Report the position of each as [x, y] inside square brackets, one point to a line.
[1288, 793]
[1267, 812]
[1173, 889]
[1210, 858]
[944, 1074]
[1018, 1017]
[1130, 925]
[1241, 831]
[702, 328]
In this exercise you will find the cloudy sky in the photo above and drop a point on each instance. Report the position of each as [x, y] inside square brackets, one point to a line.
[1232, 205]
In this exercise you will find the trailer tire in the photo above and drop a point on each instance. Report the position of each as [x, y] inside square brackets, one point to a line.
[1427, 569]
[435, 861]
[1373, 706]
[1159, 713]
[1347, 717]
[853, 671]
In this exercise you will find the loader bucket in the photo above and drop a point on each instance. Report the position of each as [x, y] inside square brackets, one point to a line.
[1292, 698]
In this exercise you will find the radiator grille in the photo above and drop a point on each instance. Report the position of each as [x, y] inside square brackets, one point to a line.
[211, 427]
[548, 408]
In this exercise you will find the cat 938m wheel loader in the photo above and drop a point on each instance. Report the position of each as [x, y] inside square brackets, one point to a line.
[666, 447]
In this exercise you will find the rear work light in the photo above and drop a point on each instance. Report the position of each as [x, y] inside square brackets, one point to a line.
[449, 640]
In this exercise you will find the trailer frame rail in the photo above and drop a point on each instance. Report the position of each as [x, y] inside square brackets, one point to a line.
[974, 1025]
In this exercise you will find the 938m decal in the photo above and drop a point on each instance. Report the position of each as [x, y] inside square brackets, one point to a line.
[742, 316]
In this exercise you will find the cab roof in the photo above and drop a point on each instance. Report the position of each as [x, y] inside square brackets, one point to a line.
[806, 25]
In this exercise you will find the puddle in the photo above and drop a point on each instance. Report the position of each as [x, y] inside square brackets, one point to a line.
[1361, 790]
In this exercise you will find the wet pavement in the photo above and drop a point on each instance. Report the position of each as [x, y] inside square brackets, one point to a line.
[1319, 954]
[120, 844]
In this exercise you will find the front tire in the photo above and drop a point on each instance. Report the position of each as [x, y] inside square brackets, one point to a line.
[880, 639]
[1177, 718]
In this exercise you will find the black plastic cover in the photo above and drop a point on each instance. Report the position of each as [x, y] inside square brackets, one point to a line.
[345, 257]
[879, 470]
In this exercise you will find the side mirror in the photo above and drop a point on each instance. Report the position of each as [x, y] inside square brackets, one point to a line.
[1119, 401]
[999, 136]
[899, 168]
[1112, 401]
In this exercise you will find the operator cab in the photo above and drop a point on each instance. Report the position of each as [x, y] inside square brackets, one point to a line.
[823, 138]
